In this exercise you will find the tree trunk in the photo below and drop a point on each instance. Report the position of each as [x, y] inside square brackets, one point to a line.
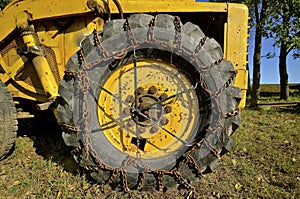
[256, 70]
[284, 82]
[260, 18]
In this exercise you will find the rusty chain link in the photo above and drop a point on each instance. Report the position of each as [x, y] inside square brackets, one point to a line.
[99, 44]
[71, 128]
[227, 84]
[181, 179]
[150, 33]
[199, 46]
[159, 180]
[178, 29]
[141, 180]
[232, 114]
[84, 86]
[124, 180]
[70, 73]
[190, 160]
[113, 176]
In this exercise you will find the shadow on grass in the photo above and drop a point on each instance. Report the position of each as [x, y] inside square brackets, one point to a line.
[287, 109]
[274, 95]
[46, 135]
[293, 110]
[270, 94]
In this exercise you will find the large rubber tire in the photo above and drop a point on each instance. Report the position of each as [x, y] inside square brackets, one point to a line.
[162, 38]
[8, 122]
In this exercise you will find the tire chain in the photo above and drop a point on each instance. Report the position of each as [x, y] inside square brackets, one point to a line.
[187, 158]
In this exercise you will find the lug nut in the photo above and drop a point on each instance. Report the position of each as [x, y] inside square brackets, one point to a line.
[153, 129]
[168, 109]
[152, 90]
[140, 90]
[126, 111]
[129, 99]
[141, 129]
[163, 96]
[130, 123]
[164, 121]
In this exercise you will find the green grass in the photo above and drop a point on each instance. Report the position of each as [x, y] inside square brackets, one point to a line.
[264, 163]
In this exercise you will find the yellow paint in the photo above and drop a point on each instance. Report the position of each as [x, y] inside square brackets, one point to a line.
[237, 44]
[182, 118]
[45, 76]
[45, 15]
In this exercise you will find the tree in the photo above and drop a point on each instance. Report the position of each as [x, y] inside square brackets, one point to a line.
[258, 10]
[284, 27]
[3, 3]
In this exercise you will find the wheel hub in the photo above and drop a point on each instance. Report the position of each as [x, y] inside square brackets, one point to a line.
[153, 119]
[151, 109]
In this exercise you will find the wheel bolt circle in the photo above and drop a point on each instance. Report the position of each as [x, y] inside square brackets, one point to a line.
[163, 96]
[153, 129]
[152, 90]
[140, 90]
[130, 123]
[126, 111]
[164, 121]
[129, 99]
[141, 129]
[168, 109]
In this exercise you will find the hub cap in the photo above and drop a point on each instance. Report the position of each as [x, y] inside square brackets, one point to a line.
[159, 117]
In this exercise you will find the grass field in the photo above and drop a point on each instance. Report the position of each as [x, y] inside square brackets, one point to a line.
[264, 162]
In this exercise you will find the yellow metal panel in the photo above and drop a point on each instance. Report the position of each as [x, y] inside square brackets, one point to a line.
[237, 34]
[77, 33]
[241, 81]
[63, 44]
[16, 91]
[225, 40]
[133, 6]
[40, 9]
[236, 50]
[67, 43]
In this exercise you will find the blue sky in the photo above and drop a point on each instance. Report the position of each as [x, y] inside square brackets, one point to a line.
[270, 67]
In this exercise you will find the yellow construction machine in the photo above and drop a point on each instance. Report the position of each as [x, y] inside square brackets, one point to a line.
[147, 92]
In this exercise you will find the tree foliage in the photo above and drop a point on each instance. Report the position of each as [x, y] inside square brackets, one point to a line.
[3, 3]
[258, 11]
[284, 28]
[280, 21]
[284, 25]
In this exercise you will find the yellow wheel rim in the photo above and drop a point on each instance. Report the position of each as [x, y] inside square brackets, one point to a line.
[168, 109]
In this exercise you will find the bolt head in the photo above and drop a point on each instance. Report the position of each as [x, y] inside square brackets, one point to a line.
[129, 99]
[163, 96]
[140, 90]
[154, 129]
[168, 109]
[164, 121]
[141, 129]
[152, 90]
[126, 111]
[130, 123]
